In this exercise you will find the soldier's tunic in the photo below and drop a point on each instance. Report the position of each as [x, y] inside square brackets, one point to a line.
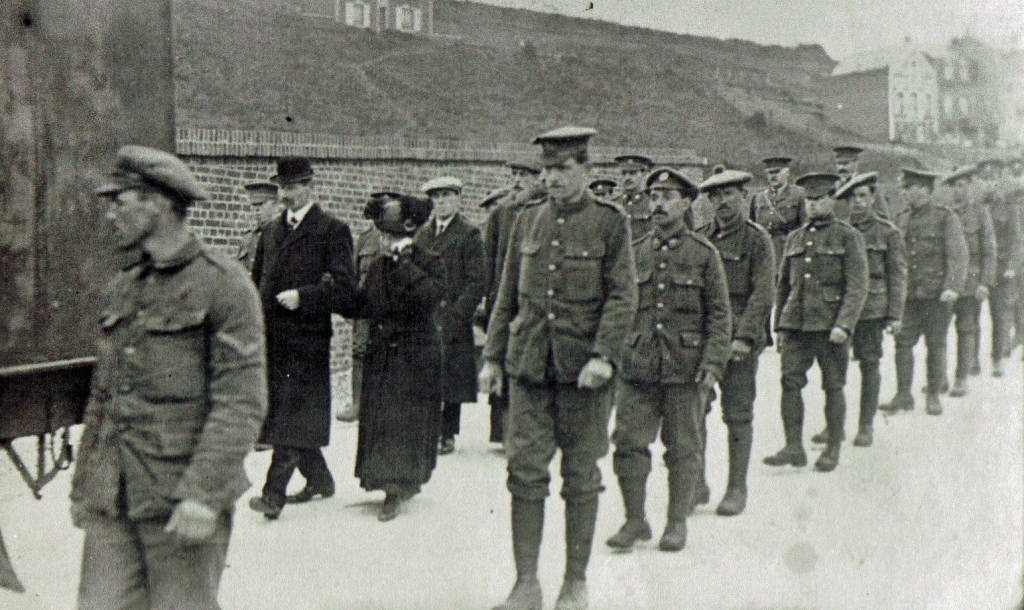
[1009, 231]
[177, 400]
[779, 212]
[638, 208]
[682, 326]
[976, 223]
[246, 252]
[936, 261]
[823, 284]
[567, 294]
[887, 293]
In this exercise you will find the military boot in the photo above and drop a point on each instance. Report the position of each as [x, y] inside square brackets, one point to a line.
[636, 528]
[864, 436]
[902, 401]
[580, 519]
[932, 404]
[573, 596]
[527, 528]
[735, 499]
[829, 458]
[680, 495]
[525, 595]
[822, 437]
[792, 421]
[998, 370]
[959, 388]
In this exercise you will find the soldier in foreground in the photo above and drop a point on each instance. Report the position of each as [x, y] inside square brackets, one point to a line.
[263, 200]
[778, 208]
[823, 283]
[937, 266]
[632, 198]
[177, 401]
[976, 222]
[887, 286]
[749, 260]
[566, 301]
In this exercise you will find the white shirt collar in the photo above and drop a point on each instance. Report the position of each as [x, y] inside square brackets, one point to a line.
[299, 214]
[442, 225]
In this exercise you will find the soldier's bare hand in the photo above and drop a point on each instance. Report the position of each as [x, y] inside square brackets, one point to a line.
[192, 522]
[706, 383]
[895, 326]
[981, 293]
[949, 296]
[595, 374]
[838, 336]
[289, 299]
[489, 379]
[740, 349]
[1010, 274]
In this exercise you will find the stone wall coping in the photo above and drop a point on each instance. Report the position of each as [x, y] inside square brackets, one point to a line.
[200, 142]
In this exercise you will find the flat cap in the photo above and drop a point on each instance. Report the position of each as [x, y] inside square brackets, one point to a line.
[668, 178]
[868, 179]
[964, 172]
[525, 164]
[817, 184]
[639, 162]
[138, 165]
[444, 183]
[563, 143]
[847, 152]
[291, 170]
[915, 177]
[261, 188]
[723, 178]
[775, 163]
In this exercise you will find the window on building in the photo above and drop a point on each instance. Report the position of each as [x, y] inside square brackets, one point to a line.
[912, 111]
[964, 106]
[947, 105]
[949, 71]
[357, 14]
[408, 19]
[965, 72]
[927, 105]
[899, 103]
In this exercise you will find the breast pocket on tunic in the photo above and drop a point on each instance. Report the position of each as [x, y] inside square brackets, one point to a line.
[581, 276]
[829, 265]
[172, 355]
[737, 271]
[686, 294]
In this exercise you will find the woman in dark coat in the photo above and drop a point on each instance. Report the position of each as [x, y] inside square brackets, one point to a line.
[398, 419]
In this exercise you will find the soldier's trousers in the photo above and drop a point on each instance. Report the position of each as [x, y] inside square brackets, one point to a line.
[967, 321]
[1002, 304]
[867, 350]
[739, 389]
[928, 317]
[135, 565]
[800, 350]
[499, 413]
[552, 416]
[641, 409]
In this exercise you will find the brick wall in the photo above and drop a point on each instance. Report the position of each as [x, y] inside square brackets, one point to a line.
[347, 170]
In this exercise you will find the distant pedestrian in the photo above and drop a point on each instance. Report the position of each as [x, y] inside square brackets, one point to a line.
[264, 209]
[632, 197]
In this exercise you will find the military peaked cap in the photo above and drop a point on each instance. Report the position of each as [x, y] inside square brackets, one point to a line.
[847, 152]
[818, 184]
[776, 163]
[444, 183]
[724, 178]
[525, 165]
[138, 165]
[868, 179]
[604, 182]
[668, 178]
[916, 177]
[965, 172]
[563, 143]
[639, 162]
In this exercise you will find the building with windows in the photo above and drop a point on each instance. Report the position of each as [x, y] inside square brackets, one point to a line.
[890, 95]
[409, 16]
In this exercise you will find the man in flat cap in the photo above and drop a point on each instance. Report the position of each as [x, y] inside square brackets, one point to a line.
[525, 188]
[632, 197]
[976, 222]
[263, 202]
[749, 259]
[673, 357]
[177, 400]
[778, 208]
[848, 166]
[823, 284]
[603, 187]
[566, 301]
[304, 273]
[937, 263]
[460, 248]
[887, 291]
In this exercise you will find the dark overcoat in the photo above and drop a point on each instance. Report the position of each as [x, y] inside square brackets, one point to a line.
[316, 260]
[398, 416]
[460, 250]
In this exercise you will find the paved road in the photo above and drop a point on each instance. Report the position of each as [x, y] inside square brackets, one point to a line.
[930, 517]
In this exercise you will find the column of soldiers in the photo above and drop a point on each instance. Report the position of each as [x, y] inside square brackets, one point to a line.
[589, 304]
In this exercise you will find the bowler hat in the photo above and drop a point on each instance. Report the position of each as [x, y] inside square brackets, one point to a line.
[291, 170]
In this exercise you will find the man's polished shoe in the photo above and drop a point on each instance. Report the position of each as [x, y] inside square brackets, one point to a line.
[674, 538]
[573, 596]
[932, 405]
[632, 531]
[865, 436]
[525, 595]
[270, 510]
[822, 437]
[828, 460]
[791, 455]
[446, 446]
[959, 388]
[310, 492]
[389, 510]
[902, 401]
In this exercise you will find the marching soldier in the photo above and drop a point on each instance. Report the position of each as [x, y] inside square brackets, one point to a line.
[887, 286]
[823, 284]
[749, 260]
[633, 199]
[848, 166]
[603, 187]
[1009, 230]
[263, 199]
[976, 222]
[673, 358]
[937, 268]
[565, 304]
[778, 208]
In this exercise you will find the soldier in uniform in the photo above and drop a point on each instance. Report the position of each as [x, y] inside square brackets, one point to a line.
[505, 207]
[976, 222]
[1007, 302]
[673, 357]
[632, 198]
[937, 266]
[263, 199]
[177, 400]
[823, 284]
[887, 291]
[848, 166]
[603, 188]
[566, 302]
[749, 260]
[778, 208]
